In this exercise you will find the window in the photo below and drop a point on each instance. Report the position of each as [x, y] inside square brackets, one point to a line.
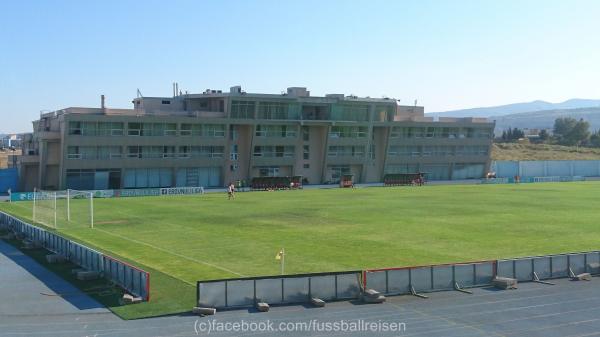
[74, 128]
[351, 112]
[242, 109]
[206, 151]
[165, 102]
[88, 128]
[268, 171]
[345, 151]
[306, 153]
[305, 133]
[273, 110]
[73, 152]
[336, 172]
[348, 132]
[274, 151]
[213, 130]
[109, 129]
[233, 154]
[275, 131]
[306, 166]
[170, 129]
[184, 152]
[186, 130]
[134, 151]
[109, 152]
[134, 129]
[169, 152]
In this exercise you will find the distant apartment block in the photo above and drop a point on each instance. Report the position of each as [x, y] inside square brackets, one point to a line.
[216, 137]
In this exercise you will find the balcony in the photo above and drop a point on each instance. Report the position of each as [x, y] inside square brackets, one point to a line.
[48, 135]
[29, 159]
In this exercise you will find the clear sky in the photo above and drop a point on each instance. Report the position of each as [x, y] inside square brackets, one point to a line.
[447, 54]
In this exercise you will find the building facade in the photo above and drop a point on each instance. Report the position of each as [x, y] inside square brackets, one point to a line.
[213, 138]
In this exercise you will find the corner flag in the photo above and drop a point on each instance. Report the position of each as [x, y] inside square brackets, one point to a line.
[279, 255]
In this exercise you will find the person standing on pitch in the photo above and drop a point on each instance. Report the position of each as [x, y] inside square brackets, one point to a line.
[230, 191]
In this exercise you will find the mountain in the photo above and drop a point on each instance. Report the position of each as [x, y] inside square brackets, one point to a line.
[515, 108]
[545, 119]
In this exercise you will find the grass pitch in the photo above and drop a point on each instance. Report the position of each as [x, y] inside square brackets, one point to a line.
[183, 239]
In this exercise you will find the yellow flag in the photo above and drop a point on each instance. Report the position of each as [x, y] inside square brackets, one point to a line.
[279, 255]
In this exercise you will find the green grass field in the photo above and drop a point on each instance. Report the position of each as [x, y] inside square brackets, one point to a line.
[183, 239]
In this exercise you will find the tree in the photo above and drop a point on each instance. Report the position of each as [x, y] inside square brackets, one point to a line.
[543, 135]
[510, 135]
[595, 139]
[518, 133]
[570, 131]
[562, 126]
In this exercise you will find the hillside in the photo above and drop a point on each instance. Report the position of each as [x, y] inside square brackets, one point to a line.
[513, 151]
[545, 119]
[516, 108]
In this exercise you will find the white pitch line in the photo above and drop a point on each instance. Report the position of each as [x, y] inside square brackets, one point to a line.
[169, 252]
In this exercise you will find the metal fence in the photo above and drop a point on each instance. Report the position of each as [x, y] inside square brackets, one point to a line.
[134, 280]
[285, 289]
[399, 281]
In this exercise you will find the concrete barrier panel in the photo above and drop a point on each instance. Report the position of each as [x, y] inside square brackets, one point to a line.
[560, 266]
[377, 280]
[421, 279]
[323, 287]
[269, 290]
[295, 290]
[484, 273]
[506, 268]
[464, 274]
[523, 270]
[239, 293]
[348, 286]
[541, 266]
[212, 294]
[577, 263]
[398, 281]
[593, 262]
[443, 278]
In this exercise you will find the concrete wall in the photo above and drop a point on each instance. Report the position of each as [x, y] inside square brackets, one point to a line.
[546, 168]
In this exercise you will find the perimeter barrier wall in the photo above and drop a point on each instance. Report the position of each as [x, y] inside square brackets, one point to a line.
[285, 289]
[546, 168]
[132, 279]
[290, 289]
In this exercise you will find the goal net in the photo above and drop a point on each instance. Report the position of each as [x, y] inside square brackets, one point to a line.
[64, 209]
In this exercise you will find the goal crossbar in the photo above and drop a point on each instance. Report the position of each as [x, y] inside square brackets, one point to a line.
[46, 206]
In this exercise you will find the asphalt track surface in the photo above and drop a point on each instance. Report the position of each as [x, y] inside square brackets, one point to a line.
[30, 305]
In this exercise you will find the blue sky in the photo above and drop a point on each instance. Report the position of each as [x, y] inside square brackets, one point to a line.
[447, 54]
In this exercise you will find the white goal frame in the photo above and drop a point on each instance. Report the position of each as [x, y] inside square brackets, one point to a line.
[67, 194]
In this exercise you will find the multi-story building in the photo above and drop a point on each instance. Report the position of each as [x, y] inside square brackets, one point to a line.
[213, 138]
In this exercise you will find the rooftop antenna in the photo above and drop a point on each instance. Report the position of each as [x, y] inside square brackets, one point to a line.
[415, 102]
[139, 93]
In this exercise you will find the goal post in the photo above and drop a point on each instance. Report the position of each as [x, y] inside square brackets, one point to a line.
[69, 208]
[44, 208]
